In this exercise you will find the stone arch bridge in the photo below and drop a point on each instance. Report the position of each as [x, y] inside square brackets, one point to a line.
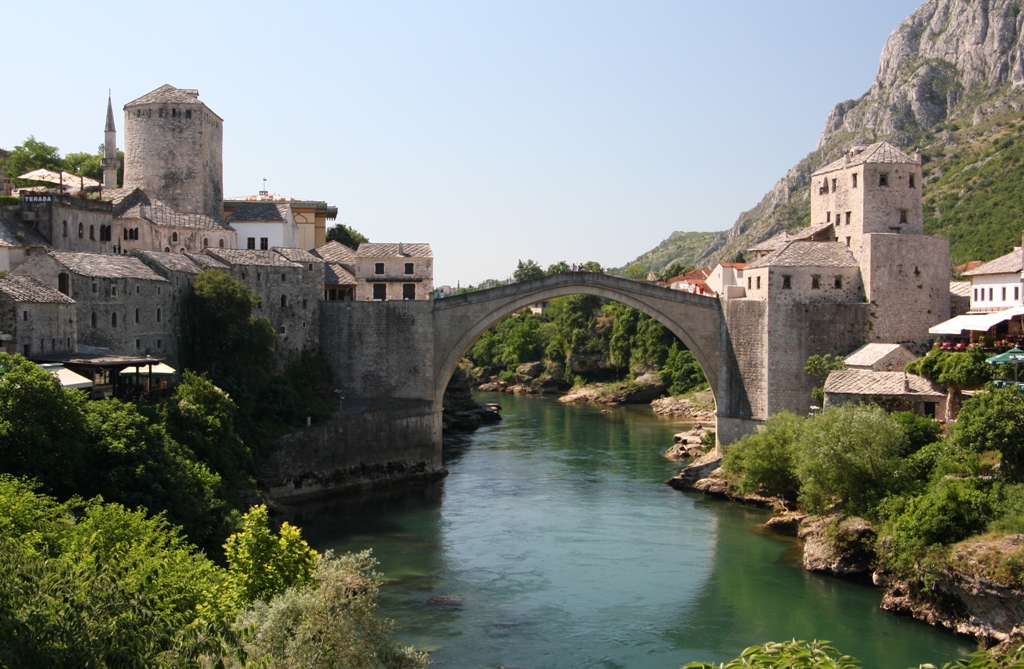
[393, 360]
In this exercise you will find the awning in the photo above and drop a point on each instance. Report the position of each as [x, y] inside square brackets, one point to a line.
[975, 322]
[159, 369]
[67, 378]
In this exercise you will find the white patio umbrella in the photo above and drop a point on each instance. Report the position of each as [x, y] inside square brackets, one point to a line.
[62, 178]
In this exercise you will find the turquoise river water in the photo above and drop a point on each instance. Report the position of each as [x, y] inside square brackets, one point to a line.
[554, 543]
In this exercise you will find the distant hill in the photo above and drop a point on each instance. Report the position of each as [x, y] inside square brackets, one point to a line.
[950, 83]
[681, 247]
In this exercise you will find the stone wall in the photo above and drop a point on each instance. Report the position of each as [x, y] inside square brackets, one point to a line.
[38, 328]
[743, 360]
[59, 219]
[362, 445]
[394, 277]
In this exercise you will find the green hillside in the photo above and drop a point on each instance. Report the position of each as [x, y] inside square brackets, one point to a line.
[680, 247]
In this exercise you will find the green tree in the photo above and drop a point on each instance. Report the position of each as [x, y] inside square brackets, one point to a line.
[32, 155]
[786, 655]
[819, 366]
[637, 271]
[592, 266]
[681, 371]
[528, 271]
[90, 164]
[956, 371]
[560, 267]
[765, 461]
[263, 565]
[675, 269]
[994, 421]
[346, 235]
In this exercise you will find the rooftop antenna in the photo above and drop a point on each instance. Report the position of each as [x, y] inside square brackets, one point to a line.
[263, 192]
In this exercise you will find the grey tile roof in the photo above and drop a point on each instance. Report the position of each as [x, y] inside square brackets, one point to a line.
[867, 382]
[961, 288]
[167, 94]
[879, 152]
[297, 255]
[171, 262]
[807, 254]
[369, 250]
[250, 257]
[29, 289]
[106, 266]
[205, 261]
[10, 228]
[1008, 264]
[869, 354]
[335, 252]
[136, 204]
[336, 275]
[805, 234]
[259, 211]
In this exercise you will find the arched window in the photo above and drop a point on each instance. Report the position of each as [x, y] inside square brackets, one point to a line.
[206, 242]
[221, 243]
[167, 249]
[136, 314]
[94, 319]
[113, 320]
[92, 232]
[158, 314]
[81, 230]
[284, 301]
[174, 237]
[65, 223]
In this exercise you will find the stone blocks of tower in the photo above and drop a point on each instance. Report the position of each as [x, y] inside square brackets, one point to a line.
[173, 151]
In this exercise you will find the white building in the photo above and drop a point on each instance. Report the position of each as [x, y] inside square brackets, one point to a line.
[725, 274]
[996, 285]
[262, 226]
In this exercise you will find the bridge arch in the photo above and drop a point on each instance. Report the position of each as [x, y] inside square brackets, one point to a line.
[460, 320]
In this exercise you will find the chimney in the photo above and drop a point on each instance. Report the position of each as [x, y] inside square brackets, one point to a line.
[400, 251]
[906, 383]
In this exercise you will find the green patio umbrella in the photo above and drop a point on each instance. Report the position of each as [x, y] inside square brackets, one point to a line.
[1014, 357]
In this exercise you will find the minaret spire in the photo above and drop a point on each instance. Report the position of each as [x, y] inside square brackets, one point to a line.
[110, 163]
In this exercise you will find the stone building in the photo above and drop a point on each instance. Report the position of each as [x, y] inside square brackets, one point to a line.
[173, 150]
[996, 285]
[144, 223]
[310, 218]
[394, 272]
[290, 293]
[880, 358]
[36, 318]
[18, 240]
[339, 271]
[806, 272]
[121, 304]
[263, 225]
[897, 391]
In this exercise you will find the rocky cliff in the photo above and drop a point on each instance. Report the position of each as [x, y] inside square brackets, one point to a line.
[950, 76]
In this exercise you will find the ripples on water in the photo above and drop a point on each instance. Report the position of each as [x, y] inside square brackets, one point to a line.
[554, 543]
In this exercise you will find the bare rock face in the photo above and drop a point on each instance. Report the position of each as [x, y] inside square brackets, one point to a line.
[529, 370]
[950, 59]
[701, 468]
[841, 547]
[788, 524]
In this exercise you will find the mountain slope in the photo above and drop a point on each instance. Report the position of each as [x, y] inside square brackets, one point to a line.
[949, 83]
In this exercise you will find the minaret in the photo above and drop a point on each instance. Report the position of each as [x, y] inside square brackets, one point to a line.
[110, 162]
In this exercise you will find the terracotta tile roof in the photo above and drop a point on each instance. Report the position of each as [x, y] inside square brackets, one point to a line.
[867, 382]
[136, 204]
[1008, 264]
[250, 257]
[869, 354]
[297, 255]
[167, 94]
[808, 254]
[335, 252]
[336, 275]
[368, 250]
[734, 265]
[29, 289]
[879, 152]
[107, 266]
[259, 211]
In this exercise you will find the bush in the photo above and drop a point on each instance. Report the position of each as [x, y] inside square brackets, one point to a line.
[919, 430]
[994, 421]
[765, 461]
[789, 654]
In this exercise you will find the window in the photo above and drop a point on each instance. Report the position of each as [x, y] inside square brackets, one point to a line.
[834, 185]
[284, 301]
[81, 230]
[903, 215]
[188, 115]
[158, 314]
[24, 315]
[975, 294]
[138, 289]
[64, 283]
[748, 282]
[823, 190]
[847, 242]
[65, 225]
[113, 291]
[92, 232]
[206, 242]
[1016, 293]
[759, 283]
[159, 343]
[159, 290]
[94, 319]
[815, 282]
[989, 294]
[113, 320]
[174, 237]
[94, 288]
[138, 344]
[136, 314]
[828, 216]
[220, 243]
[838, 282]
[911, 183]
[264, 243]
[304, 303]
[408, 291]
[378, 268]
[848, 218]
[250, 243]
[1004, 293]
[284, 277]
[380, 291]
[28, 348]
[895, 230]
[309, 268]
[854, 175]
[283, 330]
[883, 179]
[786, 281]
[409, 269]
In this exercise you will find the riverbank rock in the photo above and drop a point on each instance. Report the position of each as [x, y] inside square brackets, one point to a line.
[529, 370]
[838, 546]
[971, 595]
[493, 387]
[701, 468]
[682, 407]
[787, 525]
[715, 484]
[687, 444]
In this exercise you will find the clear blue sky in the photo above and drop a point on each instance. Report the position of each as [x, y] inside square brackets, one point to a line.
[492, 130]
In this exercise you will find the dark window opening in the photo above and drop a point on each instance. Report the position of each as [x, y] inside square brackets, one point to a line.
[759, 283]
[188, 114]
[65, 228]
[220, 243]
[815, 282]
[24, 315]
[378, 268]
[786, 281]
[81, 230]
[838, 282]
[848, 218]
[64, 283]
[137, 319]
[749, 283]
[284, 301]
[94, 319]
[113, 320]
[883, 179]
[912, 181]
[408, 291]
[409, 268]
[903, 215]
[380, 291]
[264, 243]
[828, 216]
[854, 175]
[834, 185]
[250, 243]
[92, 232]
[158, 314]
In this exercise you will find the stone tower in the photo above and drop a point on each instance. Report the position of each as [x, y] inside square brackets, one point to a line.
[173, 151]
[110, 162]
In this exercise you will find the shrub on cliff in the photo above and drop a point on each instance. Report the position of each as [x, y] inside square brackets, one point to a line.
[994, 421]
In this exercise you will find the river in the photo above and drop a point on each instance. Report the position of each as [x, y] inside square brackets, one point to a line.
[555, 543]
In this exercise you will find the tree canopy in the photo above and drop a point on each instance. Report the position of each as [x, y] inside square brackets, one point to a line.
[346, 235]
